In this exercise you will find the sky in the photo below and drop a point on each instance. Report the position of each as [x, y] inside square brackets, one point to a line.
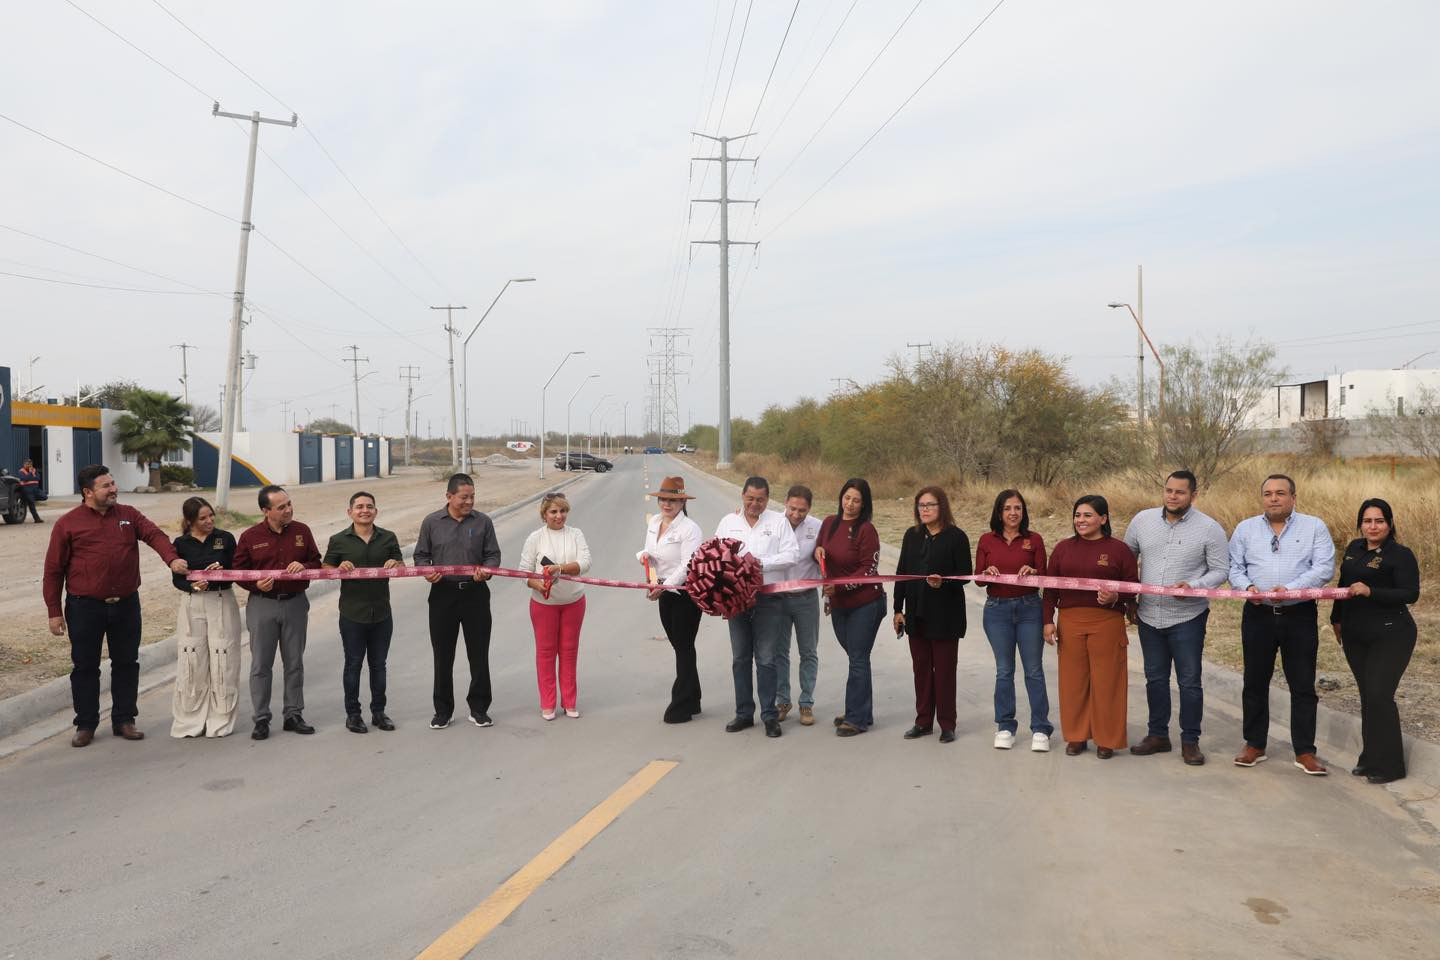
[1274, 168]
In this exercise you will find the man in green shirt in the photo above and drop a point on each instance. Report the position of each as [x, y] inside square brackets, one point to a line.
[365, 623]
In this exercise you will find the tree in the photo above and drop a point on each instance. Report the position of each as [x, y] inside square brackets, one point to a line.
[110, 395]
[329, 425]
[1414, 429]
[1210, 393]
[206, 418]
[154, 424]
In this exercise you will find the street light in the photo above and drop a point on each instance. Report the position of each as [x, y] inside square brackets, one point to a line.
[465, 373]
[1140, 407]
[590, 431]
[572, 353]
[592, 376]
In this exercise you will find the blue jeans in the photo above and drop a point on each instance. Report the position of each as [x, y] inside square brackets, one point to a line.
[802, 609]
[365, 642]
[754, 635]
[1011, 623]
[856, 629]
[1182, 644]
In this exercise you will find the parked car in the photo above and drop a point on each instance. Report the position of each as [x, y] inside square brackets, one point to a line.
[684, 448]
[12, 503]
[654, 450]
[583, 461]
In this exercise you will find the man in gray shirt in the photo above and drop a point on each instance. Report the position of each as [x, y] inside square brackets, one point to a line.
[459, 535]
[1176, 546]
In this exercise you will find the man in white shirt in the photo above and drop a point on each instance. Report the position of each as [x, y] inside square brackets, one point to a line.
[755, 634]
[800, 609]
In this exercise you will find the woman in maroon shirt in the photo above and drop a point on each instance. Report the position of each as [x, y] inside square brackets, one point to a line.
[1091, 632]
[1012, 618]
[850, 547]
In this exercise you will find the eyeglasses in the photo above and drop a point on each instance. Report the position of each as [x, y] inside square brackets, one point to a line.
[1275, 543]
[928, 506]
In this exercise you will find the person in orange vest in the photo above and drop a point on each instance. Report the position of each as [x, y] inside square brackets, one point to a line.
[30, 487]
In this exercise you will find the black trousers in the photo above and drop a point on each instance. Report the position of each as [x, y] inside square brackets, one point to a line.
[1295, 634]
[91, 622]
[1379, 651]
[681, 620]
[455, 607]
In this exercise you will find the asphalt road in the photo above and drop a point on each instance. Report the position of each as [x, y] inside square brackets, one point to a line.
[344, 846]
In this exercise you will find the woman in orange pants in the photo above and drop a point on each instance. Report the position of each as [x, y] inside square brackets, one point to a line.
[1091, 632]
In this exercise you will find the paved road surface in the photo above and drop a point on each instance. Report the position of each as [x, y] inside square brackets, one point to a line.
[342, 846]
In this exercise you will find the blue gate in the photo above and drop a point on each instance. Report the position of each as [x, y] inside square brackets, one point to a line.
[310, 458]
[372, 456]
[87, 450]
[344, 458]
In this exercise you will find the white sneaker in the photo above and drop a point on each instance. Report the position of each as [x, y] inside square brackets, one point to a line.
[1004, 740]
[1040, 743]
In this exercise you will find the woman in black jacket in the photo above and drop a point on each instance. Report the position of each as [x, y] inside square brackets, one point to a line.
[1378, 634]
[933, 610]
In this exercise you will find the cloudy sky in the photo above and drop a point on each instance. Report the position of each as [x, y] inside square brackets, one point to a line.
[1272, 165]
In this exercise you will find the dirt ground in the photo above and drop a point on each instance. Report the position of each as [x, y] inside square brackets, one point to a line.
[1419, 693]
[29, 655]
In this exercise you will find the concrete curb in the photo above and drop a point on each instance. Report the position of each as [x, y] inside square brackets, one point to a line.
[38, 714]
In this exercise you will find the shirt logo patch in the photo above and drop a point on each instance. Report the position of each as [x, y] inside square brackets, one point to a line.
[1025, 545]
[1374, 563]
[1104, 560]
[299, 540]
[218, 546]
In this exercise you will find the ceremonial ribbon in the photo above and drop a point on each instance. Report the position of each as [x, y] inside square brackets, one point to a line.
[785, 586]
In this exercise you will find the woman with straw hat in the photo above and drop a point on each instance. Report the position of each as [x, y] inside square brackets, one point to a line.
[670, 538]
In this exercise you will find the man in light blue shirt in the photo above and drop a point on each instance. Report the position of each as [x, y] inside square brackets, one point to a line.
[1177, 546]
[1282, 549]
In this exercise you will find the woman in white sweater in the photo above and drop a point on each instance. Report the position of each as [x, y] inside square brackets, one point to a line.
[670, 538]
[556, 549]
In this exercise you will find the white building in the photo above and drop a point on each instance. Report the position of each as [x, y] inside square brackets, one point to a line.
[1352, 395]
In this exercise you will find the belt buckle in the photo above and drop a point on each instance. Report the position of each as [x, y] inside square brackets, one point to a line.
[463, 584]
[1276, 609]
[112, 600]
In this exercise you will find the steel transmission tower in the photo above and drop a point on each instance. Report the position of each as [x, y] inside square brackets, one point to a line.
[664, 361]
[724, 243]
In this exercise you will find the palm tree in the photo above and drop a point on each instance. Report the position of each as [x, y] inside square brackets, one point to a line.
[154, 424]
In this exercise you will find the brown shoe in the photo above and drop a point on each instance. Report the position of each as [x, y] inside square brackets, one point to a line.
[1250, 756]
[1311, 765]
[1074, 749]
[82, 738]
[1104, 753]
[783, 711]
[1190, 753]
[807, 717]
[1151, 745]
[127, 731]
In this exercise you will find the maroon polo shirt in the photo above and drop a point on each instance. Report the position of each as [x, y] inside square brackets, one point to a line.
[1026, 551]
[94, 554]
[260, 548]
[1107, 558]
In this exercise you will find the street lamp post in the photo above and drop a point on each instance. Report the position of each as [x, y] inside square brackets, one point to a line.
[572, 353]
[592, 376]
[590, 429]
[1140, 411]
[465, 373]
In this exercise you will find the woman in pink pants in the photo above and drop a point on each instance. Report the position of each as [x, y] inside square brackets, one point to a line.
[553, 549]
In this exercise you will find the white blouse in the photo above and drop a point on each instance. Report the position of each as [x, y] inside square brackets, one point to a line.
[566, 545]
[670, 555]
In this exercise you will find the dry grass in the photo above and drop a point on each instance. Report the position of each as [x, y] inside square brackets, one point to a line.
[1331, 491]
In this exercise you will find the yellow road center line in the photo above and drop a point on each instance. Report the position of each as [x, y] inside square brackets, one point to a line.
[476, 925]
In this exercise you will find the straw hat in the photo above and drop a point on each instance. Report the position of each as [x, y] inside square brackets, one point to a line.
[671, 488]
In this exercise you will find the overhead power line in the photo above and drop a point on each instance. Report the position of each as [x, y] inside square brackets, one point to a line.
[106, 286]
[896, 112]
[312, 135]
[124, 173]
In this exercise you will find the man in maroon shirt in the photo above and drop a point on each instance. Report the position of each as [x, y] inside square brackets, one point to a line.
[277, 613]
[94, 557]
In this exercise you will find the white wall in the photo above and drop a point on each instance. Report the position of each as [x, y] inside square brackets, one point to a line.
[327, 458]
[59, 467]
[1378, 390]
[127, 473]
